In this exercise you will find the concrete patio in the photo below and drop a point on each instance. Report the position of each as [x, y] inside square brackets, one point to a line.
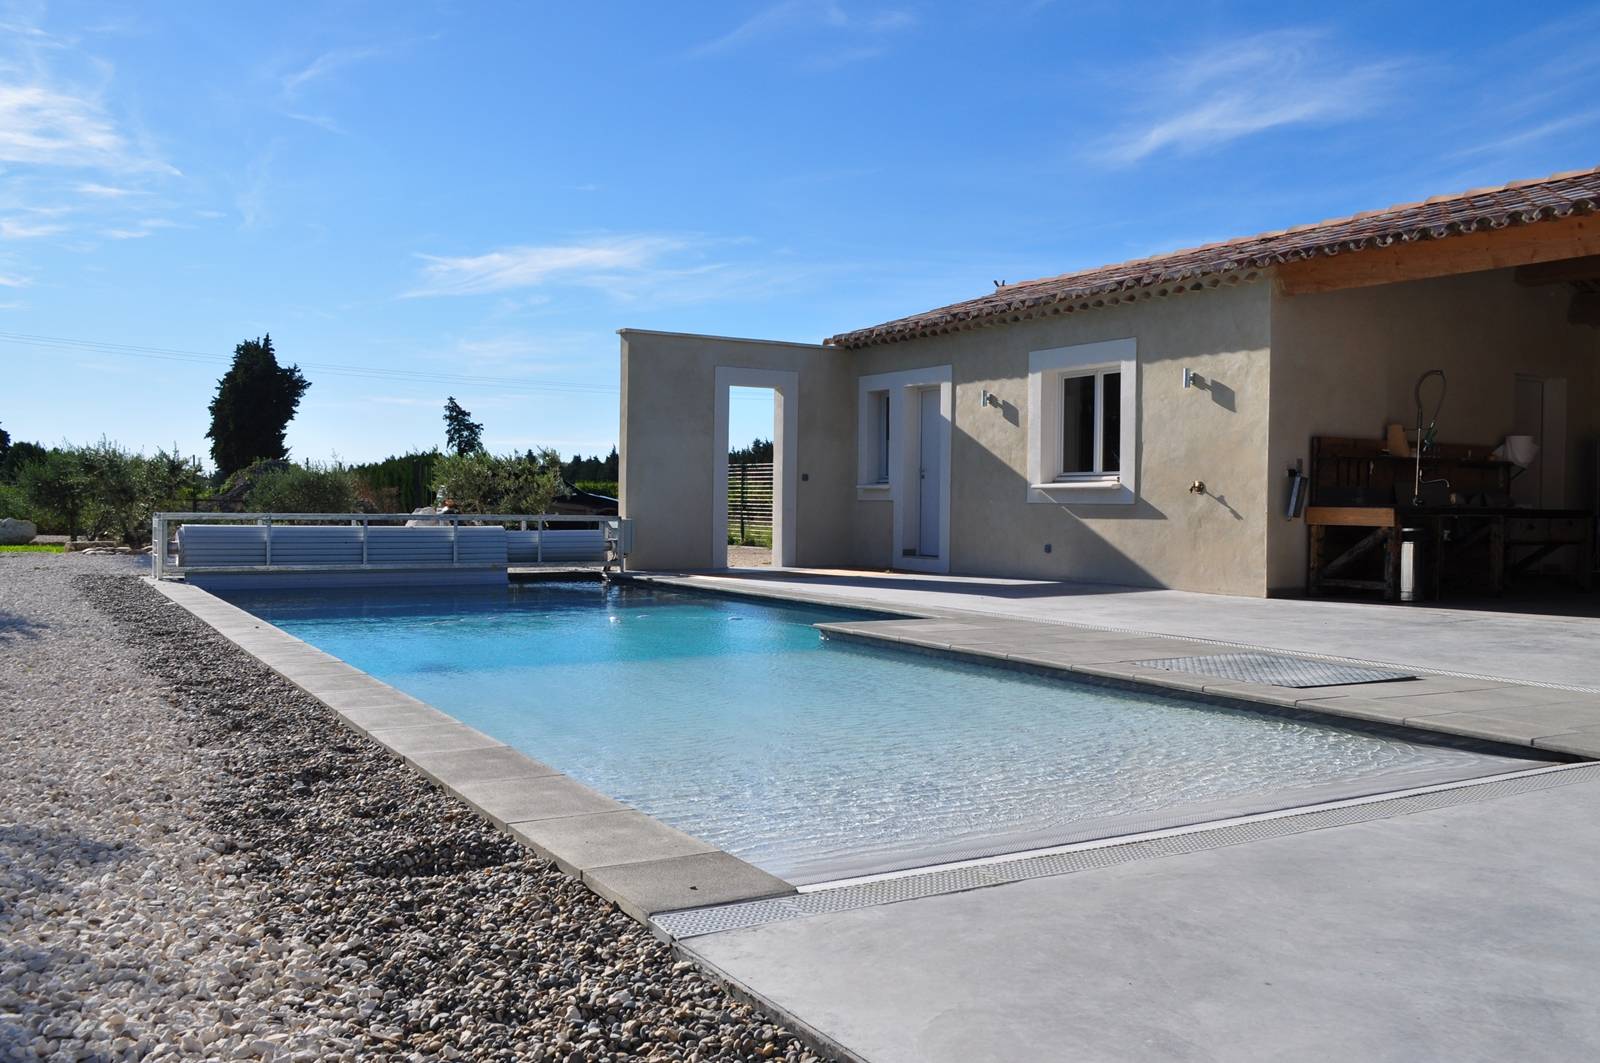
[1459, 932]
[1516, 647]
[1464, 933]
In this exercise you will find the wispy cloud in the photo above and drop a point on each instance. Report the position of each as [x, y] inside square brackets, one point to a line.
[145, 227]
[1523, 138]
[321, 121]
[639, 270]
[1247, 87]
[45, 125]
[788, 17]
[98, 191]
[325, 64]
[598, 261]
[72, 151]
[23, 229]
[9, 280]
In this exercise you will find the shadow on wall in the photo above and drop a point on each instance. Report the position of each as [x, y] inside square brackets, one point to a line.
[1220, 393]
[1102, 542]
[1035, 540]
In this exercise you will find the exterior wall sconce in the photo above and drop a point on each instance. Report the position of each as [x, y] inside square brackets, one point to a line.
[989, 398]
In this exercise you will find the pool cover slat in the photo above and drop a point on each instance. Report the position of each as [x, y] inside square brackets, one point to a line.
[1272, 669]
[694, 922]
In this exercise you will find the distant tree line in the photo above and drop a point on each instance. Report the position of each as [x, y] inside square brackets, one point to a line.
[759, 452]
[104, 490]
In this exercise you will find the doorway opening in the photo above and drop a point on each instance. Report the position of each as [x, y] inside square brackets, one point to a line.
[753, 500]
[751, 417]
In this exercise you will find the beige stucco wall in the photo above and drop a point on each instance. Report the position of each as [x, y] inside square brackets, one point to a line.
[1169, 537]
[667, 456]
[1346, 363]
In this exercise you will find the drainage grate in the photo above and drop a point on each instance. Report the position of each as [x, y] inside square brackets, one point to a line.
[1276, 670]
[695, 922]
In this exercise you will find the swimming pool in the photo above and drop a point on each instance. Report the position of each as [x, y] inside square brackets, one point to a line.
[819, 759]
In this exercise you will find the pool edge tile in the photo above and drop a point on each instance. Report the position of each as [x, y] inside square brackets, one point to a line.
[702, 880]
[582, 843]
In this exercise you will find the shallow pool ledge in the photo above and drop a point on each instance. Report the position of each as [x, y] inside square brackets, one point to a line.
[1553, 719]
[634, 860]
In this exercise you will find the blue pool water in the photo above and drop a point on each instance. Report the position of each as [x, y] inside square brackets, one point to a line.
[816, 759]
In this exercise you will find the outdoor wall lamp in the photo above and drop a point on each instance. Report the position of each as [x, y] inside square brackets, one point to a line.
[989, 398]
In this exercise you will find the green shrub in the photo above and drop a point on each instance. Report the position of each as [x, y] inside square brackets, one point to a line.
[305, 488]
[11, 503]
[55, 491]
[399, 484]
[598, 487]
[103, 490]
[486, 483]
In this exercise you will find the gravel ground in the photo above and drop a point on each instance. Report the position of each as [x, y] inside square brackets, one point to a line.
[198, 861]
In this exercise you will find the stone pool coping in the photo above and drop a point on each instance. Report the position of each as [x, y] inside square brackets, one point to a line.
[1549, 719]
[632, 859]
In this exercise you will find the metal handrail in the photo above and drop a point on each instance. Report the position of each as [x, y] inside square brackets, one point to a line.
[616, 531]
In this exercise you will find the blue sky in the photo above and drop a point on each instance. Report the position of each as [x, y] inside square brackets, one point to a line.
[423, 199]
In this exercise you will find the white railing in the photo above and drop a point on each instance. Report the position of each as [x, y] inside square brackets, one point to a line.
[616, 533]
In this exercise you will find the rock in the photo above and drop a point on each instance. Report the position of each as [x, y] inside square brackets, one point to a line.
[15, 531]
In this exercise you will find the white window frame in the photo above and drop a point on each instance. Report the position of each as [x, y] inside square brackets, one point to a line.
[1048, 371]
[876, 432]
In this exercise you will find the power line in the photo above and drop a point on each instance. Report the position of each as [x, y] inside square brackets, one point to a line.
[370, 372]
[170, 354]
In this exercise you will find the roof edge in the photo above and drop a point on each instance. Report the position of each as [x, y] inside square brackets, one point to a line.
[1517, 203]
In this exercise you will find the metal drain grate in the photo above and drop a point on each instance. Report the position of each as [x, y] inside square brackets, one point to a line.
[695, 922]
[1276, 670]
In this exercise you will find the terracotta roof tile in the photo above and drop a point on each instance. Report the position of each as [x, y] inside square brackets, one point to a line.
[1517, 203]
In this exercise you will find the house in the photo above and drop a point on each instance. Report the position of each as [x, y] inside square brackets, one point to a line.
[1142, 423]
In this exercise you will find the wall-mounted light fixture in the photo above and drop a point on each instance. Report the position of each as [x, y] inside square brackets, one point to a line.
[989, 398]
[1191, 379]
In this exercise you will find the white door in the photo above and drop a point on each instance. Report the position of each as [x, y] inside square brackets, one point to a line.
[930, 478]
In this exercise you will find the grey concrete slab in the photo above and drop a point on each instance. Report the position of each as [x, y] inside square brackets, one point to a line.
[1284, 697]
[1380, 710]
[1577, 743]
[1182, 682]
[519, 800]
[642, 889]
[463, 767]
[1523, 724]
[432, 738]
[382, 716]
[1496, 699]
[1460, 935]
[602, 839]
[363, 697]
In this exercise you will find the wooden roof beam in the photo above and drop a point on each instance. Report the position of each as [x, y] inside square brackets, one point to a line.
[1561, 271]
[1573, 237]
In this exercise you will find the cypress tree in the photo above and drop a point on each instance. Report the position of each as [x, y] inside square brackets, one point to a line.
[255, 401]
